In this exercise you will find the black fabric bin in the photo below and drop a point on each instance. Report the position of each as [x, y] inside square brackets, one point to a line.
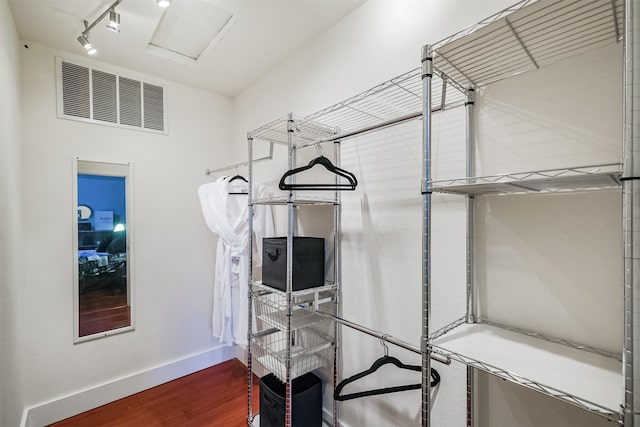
[308, 262]
[306, 401]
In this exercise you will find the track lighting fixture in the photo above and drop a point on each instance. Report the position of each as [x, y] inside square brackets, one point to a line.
[113, 25]
[163, 3]
[114, 21]
[86, 44]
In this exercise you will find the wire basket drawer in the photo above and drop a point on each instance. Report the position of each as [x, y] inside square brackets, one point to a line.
[310, 350]
[272, 310]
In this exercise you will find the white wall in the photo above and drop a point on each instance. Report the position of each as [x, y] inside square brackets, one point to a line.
[10, 198]
[174, 250]
[381, 220]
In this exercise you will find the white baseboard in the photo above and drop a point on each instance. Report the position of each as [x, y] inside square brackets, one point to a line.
[76, 403]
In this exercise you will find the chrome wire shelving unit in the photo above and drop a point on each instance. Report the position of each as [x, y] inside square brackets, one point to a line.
[284, 314]
[291, 339]
[527, 36]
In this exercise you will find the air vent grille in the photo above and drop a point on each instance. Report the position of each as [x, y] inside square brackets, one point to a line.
[130, 102]
[92, 95]
[153, 107]
[75, 90]
[104, 97]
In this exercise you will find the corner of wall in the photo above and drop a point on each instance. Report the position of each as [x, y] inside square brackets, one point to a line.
[10, 209]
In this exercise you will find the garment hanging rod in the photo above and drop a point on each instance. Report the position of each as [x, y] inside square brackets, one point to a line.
[237, 165]
[383, 337]
[377, 126]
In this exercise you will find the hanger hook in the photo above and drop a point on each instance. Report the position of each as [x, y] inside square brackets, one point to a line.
[319, 148]
[236, 168]
[386, 347]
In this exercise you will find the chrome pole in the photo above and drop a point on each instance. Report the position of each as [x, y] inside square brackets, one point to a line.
[384, 337]
[291, 229]
[427, 74]
[631, 216]
[337, 279]
[471, 315]
[249, 293]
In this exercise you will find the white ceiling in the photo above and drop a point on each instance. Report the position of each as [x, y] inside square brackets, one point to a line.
[265, 32]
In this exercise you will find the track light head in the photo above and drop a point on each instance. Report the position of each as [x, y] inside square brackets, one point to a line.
[86, 44]
[114, 21]
[163, 3]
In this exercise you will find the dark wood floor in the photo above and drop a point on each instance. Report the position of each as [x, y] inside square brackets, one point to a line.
[103, 308]
[213, 397]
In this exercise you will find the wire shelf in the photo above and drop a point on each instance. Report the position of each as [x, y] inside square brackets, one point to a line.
[272, 309]
[310, 350]
[302, 131]
[519, 39]
[394, 98]
[297, 201]
[583, 178]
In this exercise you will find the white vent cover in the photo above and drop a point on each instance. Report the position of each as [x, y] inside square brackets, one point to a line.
[96, 96]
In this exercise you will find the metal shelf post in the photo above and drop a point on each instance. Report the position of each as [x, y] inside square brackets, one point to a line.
[337, 279]
[470, 232]
[631, 217]
[290, 234]
[427, 74]
[249, 298]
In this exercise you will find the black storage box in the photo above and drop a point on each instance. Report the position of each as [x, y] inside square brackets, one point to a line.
[306, 401]
[308, 262]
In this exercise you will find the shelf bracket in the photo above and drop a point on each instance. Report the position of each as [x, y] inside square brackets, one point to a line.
[522, 45]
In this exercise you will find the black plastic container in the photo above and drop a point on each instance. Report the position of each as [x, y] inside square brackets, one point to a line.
[308, 262]
[306, 401]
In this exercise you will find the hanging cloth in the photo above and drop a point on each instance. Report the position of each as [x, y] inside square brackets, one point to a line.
[227, 215]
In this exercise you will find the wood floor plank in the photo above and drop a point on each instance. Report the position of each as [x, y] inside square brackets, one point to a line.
[213, 397]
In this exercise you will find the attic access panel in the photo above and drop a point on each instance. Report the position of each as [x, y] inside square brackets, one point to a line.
[189, 30]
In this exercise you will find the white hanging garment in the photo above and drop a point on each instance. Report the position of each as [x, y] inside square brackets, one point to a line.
[228, 216]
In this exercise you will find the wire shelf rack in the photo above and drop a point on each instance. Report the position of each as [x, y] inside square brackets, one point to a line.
[396, 98]
[582, 178]
[303, 130]
[519, 39]
[310, 350]
[399, 96]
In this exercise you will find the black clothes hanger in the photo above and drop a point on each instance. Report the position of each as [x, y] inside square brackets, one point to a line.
[240, 177]
[384, 360]
[321, 160]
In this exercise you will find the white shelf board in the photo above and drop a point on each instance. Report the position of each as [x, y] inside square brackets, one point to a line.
[595, 380]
